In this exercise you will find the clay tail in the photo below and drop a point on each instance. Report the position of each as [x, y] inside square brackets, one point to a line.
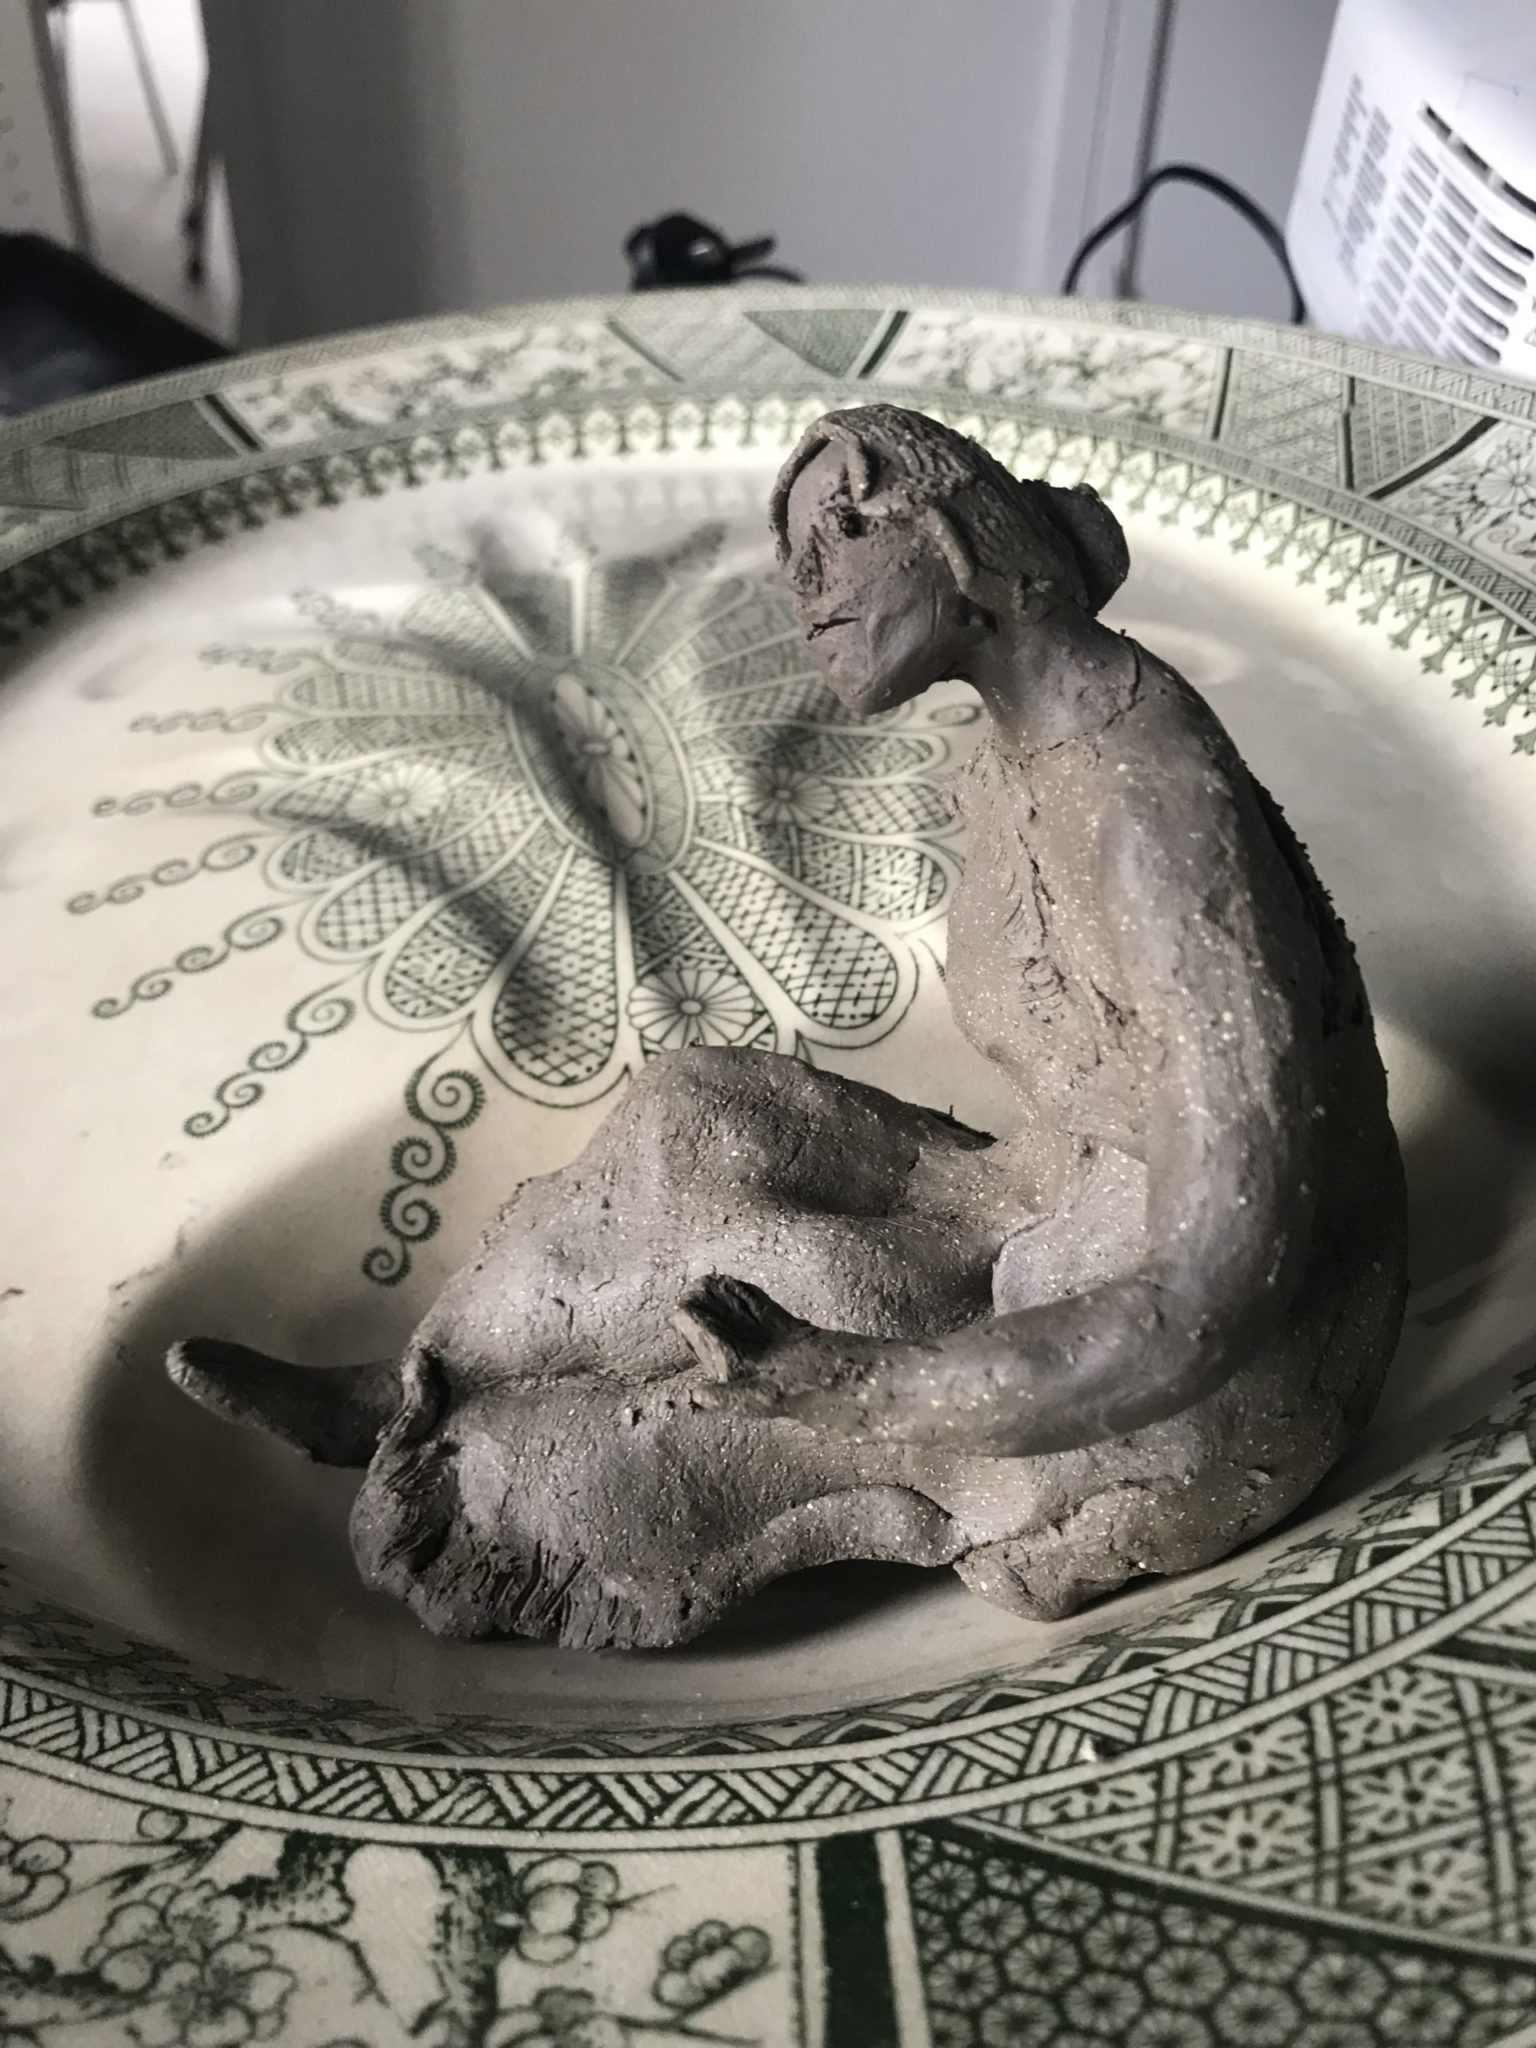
[333, 1415]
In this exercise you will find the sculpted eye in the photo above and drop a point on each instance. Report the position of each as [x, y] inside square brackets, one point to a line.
[807, 572]
[851, 524]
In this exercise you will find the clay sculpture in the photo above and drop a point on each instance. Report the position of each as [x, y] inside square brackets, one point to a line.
[772, 1317]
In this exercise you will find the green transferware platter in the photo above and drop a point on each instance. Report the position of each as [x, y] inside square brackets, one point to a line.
[402, 739]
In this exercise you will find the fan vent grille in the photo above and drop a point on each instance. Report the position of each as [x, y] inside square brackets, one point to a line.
[1447, 278]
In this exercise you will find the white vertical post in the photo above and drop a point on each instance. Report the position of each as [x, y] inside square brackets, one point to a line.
[39, 185]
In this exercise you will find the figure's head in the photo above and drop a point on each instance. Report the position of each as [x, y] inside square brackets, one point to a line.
[906, 544]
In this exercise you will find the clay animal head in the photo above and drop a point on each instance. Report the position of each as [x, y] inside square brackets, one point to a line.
[904, 542]
[604, 1512]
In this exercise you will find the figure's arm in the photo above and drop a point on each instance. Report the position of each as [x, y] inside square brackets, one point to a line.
[1218, 958]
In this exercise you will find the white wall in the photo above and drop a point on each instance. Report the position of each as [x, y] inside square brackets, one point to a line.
[1237, 90]
[387, 157]
[39, 193]
[392, 157]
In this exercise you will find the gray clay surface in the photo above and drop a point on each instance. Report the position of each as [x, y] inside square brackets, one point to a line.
[771, 1317]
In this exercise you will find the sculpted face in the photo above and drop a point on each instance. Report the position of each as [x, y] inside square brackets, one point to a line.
[878, 599]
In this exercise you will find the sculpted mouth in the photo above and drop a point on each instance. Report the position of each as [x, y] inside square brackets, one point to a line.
[820, 626]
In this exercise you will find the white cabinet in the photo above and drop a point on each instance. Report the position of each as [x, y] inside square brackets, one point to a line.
[39, 192]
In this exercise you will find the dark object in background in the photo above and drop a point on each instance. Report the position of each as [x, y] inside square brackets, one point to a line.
[66, 328]
[677, 249]
[1221, 188]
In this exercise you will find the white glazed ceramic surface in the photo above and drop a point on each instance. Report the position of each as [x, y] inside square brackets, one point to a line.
[404, 737]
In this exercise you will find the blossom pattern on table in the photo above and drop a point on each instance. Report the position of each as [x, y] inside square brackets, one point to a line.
[193, 1934]
[187, 1955]
[33, 1876]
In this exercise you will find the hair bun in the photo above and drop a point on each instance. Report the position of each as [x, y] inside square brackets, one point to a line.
[1096, 538]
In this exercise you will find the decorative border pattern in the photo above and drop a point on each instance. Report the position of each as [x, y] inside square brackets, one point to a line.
[1321, 1618]
[1453, 592]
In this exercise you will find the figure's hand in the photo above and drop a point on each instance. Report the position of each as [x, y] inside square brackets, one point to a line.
[758, 1359]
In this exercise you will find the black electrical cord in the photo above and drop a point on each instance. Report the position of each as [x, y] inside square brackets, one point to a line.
[773, 270]
[1207, 181]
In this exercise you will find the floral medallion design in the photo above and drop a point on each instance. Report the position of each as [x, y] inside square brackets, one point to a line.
[1485, 496]
[481, 363]
[1153, 378]
[563, 821]
[534, 822]
[170, 1933]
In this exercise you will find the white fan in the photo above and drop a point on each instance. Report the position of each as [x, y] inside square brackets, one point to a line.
[1414, 217]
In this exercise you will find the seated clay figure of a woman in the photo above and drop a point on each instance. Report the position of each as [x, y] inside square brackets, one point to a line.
[772, 1317]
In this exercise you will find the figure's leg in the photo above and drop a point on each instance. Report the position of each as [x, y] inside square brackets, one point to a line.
[917, 1274]
[846, 1203]
[1186, 1494]
[803, 1137]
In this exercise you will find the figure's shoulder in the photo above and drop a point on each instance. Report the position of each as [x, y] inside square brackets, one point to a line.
[1180, 823]
[1168, 717]
[986, 773]
[1167, 756]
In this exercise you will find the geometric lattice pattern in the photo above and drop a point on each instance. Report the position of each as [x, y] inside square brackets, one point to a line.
[1392, 431]
[1288, 414]
[1019, 1946]
[830, 341]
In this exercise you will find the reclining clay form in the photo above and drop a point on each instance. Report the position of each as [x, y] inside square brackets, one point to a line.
[771, 1317]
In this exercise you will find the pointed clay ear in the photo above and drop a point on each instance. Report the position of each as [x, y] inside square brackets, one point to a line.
[420, 1401]
[335, 1416]
[728, 1323]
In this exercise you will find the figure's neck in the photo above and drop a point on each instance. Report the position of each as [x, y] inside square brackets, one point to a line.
[1054, 680]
